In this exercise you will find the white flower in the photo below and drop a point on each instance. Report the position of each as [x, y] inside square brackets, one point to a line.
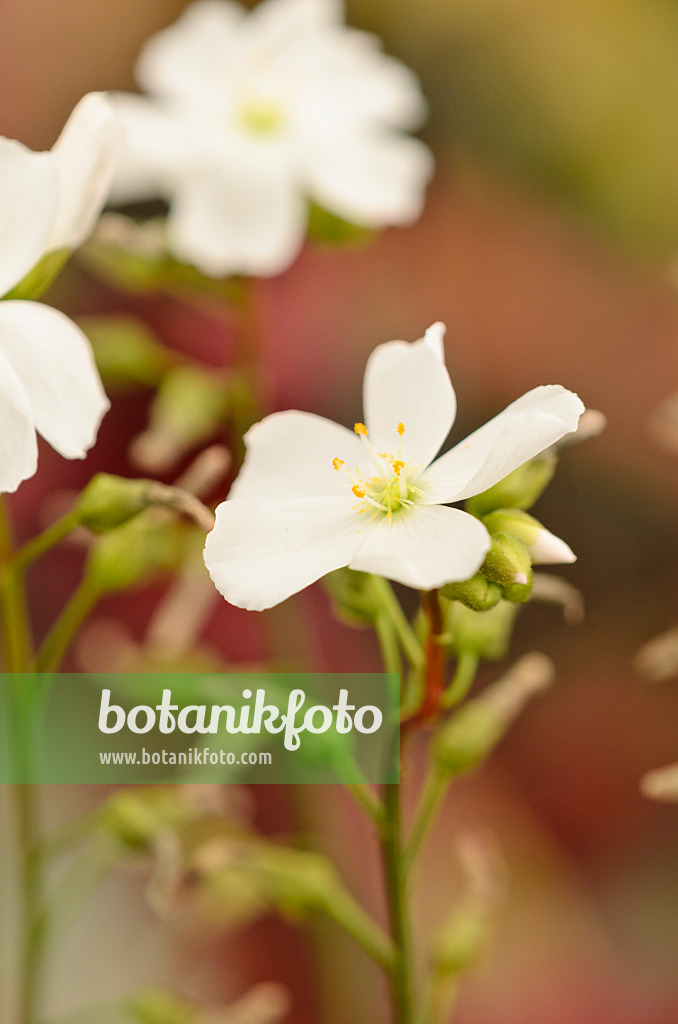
[48, 202]
[313, 496]
[252, 113]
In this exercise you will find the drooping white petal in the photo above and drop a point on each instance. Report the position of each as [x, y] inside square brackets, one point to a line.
[372, 178]
[238, 220]
[547, 549]
[18, 445]
[408, 384]
[425, 547]
[260, 552]
[277, 23]
[190, 55]
[524, 429]
[29, 188]
[158, 148]
[53, 360]
[86, 153]
[292, 454]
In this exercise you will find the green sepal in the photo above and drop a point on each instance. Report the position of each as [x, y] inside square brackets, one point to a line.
[478, 593]
[519, 593]
[486, 634]
[44, 273]
[109, 501]
[508, 560]
[520, 489]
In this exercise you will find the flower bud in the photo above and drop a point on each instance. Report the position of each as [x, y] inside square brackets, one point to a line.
[520, 489]
[508, 561]
[131, 552]
[470, 735]
[544, 547]
[127, 355]
[108, 501]
[135, 816]
[485, 634]
[353, 598]
[43, 274]
[478, 593]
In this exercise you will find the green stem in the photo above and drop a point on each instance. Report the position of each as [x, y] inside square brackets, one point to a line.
[350, 916]
[64, 630]
[15, 629]
[37, 546]
[31, 882]
[393, 609]
[432, 797]
[402, 981]
[368, 800]
[464, 676]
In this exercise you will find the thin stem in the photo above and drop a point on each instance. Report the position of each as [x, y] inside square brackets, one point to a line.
[402, 982]
[368, 800]
[350, 916]
[38, 546]
[15, 629]
[64, 630]
[406, 634]
[31, 883]
[464, 676]
[432, 797]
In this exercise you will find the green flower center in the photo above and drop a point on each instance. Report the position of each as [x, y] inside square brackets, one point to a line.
[389, 491]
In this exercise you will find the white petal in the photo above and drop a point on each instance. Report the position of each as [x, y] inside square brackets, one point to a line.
[157, 148]
[373, 178]
[291, 454]
[524, 429]
[547, 549]
[280, 22]
[261, 552]
[53, 360]
[238, 220]
[188, 57]
[426, 547]
[408, 384]
[18, 446]
[29, 187]
[86, 153]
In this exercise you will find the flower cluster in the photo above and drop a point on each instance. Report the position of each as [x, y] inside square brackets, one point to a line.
[251, 115]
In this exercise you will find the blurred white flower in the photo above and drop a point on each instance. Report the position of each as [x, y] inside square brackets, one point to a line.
[251, 114]
[49, 202]
[313, 496]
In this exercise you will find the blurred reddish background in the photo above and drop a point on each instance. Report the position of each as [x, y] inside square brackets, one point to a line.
[545, 247]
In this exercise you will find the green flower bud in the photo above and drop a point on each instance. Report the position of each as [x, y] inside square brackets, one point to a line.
[486, 633]
[135, 816]
[544, 546]
[470, 735]
[519, 593]
[508, 560]
[462, 938]
[131, 552]
[43, 274]
[108, 501]
[520, 489]
[478, 593]
[353, 598]
[126, 352]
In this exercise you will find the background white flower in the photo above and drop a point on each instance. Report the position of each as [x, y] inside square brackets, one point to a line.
[313, 496]
[48, 202]
[251, 114]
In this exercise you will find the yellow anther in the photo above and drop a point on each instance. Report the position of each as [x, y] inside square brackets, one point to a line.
[360, 428]
[359, 493]
[337, 463]
[401, 429]
[398, 466]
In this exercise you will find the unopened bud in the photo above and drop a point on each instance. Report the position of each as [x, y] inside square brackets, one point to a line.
[478, 593]
[473, 732]
[126, 353]
[133, 551]
[544, 547]
[520, 489]
[508, 560]
[485, 634]
[108, 501]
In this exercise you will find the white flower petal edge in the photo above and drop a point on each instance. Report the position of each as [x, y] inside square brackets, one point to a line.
[425, 547]
[548, 549]
[53, 363]
[524, 429]
[261, 552]
[29, 186]
[86, 153]
[18, 446]
[312, 497]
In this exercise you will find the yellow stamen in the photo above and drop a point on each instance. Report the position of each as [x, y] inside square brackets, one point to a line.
[401, 429]
[359, 493]
[360, 428]
[398, 467]
[337, 463]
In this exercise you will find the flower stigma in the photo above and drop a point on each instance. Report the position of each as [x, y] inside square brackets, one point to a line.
[390, 490]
